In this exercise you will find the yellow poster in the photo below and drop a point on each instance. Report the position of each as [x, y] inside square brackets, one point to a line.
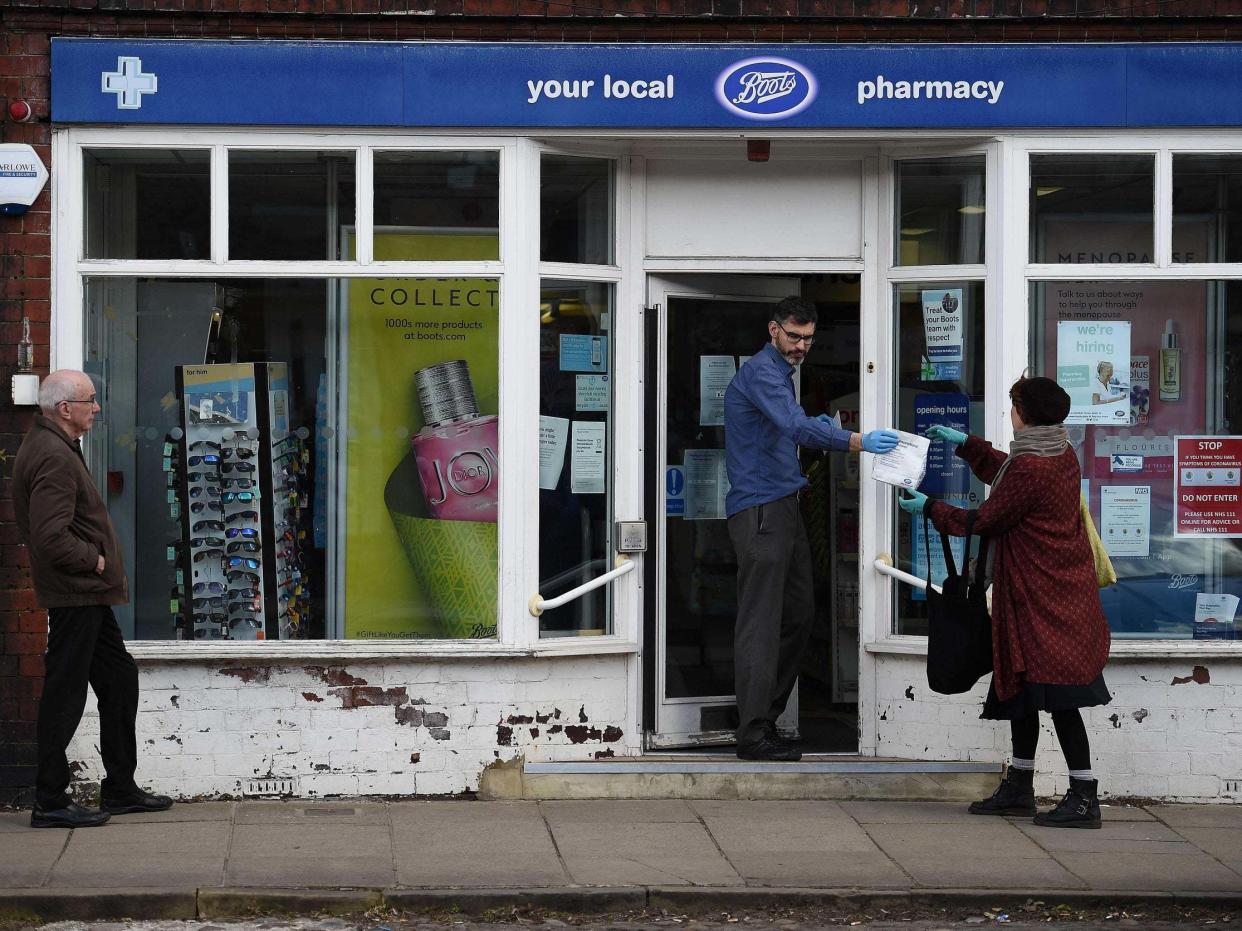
[422, 451]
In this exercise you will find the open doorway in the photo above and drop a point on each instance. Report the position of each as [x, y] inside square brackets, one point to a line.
[703, 327]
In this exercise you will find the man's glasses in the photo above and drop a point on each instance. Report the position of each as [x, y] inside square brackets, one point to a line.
[91, 400]
[805, 339]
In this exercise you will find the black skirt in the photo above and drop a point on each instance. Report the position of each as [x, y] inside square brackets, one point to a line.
[1034, 697]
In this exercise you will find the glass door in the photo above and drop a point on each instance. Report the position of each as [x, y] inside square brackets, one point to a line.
[700, 329]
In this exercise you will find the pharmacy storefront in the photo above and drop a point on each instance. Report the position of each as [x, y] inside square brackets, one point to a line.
[412, 358]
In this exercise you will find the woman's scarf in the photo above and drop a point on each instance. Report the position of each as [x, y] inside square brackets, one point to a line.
[1034, 441]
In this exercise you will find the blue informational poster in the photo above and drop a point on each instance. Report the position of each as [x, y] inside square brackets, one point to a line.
[946, 473]
[583, 353]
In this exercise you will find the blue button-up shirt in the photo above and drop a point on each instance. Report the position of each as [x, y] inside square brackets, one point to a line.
[764, 426]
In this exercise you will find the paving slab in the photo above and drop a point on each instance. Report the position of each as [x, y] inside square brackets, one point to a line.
[28, 855]
[1117, 837]
[1225, 844]
[1199, 816]
[1152, 872]
[809, 829]
[627, 811]
[958, 871]
[180, 813]
[144, 855]
[474, 844]
[344, 812]
[832, 870]
[655, 853]
[909, 812]
[984, 837]
[268, 854]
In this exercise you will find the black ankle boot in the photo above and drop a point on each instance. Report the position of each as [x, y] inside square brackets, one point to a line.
[1079, 809]
[1014, 796]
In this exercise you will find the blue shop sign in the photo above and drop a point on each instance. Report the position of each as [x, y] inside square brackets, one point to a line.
[524, 85]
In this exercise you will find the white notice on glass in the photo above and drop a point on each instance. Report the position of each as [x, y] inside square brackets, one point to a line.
[1125, 520]
[905, 464]
[715, 373]
[586, 462]
[1212, 609]
[552, 434]
[707, 484]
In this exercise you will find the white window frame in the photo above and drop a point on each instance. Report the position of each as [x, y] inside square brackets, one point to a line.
[516, 271]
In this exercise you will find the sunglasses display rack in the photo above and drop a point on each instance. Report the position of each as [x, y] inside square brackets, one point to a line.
[239, 571]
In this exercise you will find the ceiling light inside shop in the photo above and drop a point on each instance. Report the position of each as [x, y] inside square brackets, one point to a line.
[916, 230]
[1045, 191]
[971, 210]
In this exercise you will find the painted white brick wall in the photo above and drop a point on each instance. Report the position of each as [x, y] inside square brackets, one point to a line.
[1156, 739]
[427, 727]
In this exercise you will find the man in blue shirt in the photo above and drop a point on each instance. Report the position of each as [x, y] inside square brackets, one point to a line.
[764, 426]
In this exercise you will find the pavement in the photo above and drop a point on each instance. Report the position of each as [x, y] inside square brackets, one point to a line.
[345, 856]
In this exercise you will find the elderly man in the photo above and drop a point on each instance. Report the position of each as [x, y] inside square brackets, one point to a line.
[75, 560]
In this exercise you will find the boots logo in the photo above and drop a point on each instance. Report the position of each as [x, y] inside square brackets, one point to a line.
[765, 88]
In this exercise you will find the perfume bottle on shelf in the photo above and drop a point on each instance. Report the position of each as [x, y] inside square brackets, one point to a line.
[456, 450]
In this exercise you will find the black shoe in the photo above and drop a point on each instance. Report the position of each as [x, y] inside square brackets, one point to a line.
[72, 815]
[767, 749]
[772, 733]
[1014, 796]
[1079, 809]
[139, 801]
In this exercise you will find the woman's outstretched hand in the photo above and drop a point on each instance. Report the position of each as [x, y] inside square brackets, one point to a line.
[940, 432]
[915, 503]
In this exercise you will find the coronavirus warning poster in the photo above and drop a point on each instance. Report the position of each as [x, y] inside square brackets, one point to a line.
[1208, 490]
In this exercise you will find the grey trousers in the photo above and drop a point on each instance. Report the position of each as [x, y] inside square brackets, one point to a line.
[775, 609]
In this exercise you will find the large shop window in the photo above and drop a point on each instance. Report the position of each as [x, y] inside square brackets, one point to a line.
[576, 216]
[147, 203]
[292, 458]
[437, 205]
[289, 205]
[1093, 209]
[1207, 208]
[939, 368]
[940, 211]
[1154, 370]
[576, 351]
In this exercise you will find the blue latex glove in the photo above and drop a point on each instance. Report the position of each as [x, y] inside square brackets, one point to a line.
[939, 432]
[879, 441]
[913, 504]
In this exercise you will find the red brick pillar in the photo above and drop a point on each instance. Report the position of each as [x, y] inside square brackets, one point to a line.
[25, 281]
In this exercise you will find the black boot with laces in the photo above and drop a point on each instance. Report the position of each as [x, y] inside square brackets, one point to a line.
[1079, 809]
[1014, 796]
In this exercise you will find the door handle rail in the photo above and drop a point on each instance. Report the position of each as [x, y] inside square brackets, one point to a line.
[884, 565]
[538, 604]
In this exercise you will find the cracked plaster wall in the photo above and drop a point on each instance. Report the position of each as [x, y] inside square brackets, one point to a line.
[365, 728]
[1172, 731]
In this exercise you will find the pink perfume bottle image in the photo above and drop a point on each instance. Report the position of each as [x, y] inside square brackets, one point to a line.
[456, 450]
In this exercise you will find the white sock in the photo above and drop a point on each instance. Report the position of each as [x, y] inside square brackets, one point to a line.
[1084, 774]
[1016, 763]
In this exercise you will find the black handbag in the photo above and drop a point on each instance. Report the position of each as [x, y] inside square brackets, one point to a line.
[959, 628]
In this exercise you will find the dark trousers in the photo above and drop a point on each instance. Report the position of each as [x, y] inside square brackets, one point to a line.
[775, 608]
[84, 645]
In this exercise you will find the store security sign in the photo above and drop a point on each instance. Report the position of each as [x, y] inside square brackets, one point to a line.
[22, 177]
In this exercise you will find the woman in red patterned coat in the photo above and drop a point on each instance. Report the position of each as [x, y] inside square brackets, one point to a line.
[1050, 638]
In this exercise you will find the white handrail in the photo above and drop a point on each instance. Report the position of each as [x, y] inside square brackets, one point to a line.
[884, 565]
[537, 604]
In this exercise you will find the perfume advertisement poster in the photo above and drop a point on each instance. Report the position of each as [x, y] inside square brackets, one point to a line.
[422, 454]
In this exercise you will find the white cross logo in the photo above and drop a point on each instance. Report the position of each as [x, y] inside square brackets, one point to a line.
[129, 83]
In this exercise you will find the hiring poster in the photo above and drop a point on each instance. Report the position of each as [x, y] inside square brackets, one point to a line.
[1093, 366]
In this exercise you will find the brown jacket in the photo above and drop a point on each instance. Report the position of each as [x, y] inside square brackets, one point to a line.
[64, 523]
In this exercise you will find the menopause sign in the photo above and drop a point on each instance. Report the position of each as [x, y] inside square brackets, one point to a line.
[1208, 486]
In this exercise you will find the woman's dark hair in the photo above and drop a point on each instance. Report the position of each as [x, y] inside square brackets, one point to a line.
[798, 309]
[1040, 401]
